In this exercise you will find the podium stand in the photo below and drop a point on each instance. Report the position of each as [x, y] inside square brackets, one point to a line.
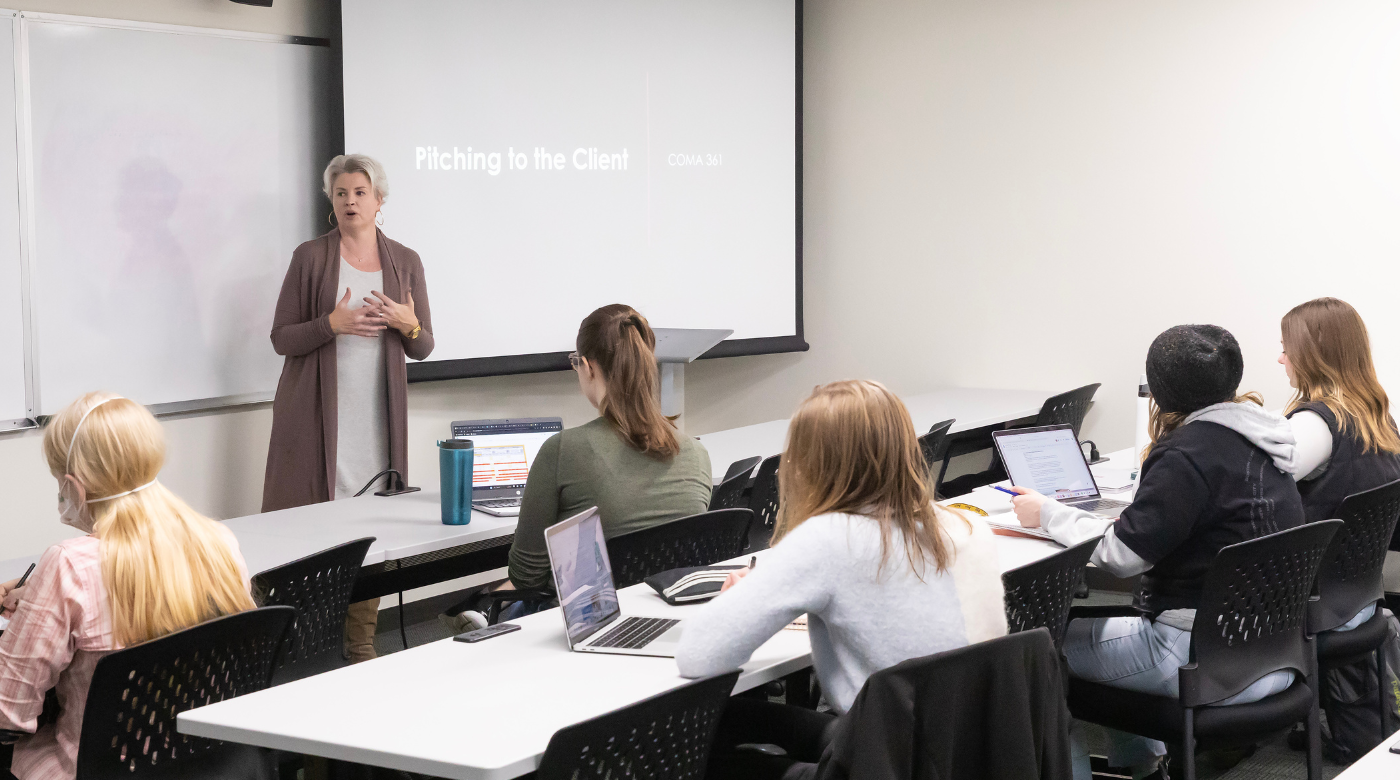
[674, 348]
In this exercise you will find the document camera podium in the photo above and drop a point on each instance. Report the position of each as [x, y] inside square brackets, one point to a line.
[674, 348]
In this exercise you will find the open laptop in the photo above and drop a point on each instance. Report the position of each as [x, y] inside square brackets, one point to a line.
[503, 453]
[583, 579]
[1049, 461]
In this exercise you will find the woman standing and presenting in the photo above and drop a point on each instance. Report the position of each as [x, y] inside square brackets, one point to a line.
[353, 304]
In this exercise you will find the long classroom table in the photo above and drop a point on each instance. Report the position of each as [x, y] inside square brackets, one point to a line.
[414, 549]
[484, 711]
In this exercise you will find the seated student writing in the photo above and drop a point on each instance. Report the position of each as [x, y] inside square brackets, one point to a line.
[882, 573]
[1216, 474]
[148, 566]
[631, 462]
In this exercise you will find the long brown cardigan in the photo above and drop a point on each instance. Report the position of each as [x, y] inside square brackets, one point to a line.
[301, 455]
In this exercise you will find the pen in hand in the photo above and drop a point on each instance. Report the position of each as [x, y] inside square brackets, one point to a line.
[1007, 491]
[21, 582]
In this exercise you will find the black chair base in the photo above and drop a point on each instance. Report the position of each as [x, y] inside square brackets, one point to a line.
[1161, 717]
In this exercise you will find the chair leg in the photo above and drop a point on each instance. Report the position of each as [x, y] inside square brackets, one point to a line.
[1315, 732]
[1381, 692]
[1188, 744]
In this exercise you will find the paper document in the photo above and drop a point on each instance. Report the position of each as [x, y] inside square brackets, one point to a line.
[4, 621]
[993, 502]
[1008, 522]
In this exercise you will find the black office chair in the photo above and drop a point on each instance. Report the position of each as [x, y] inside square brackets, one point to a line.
[1350, 578]
[136, 693]
[697, 540]
[1040, 594]
[1251, 621]
[666, 737]
[729, 493]
[738, 467]
[1070, 407]
[934, 444]
[318, 587]
[764, 502]
[987, 711]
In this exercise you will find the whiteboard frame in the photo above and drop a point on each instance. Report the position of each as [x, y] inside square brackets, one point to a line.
[27, 227]
[21, 61]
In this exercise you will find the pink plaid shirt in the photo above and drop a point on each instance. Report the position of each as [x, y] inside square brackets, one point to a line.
[60, 630]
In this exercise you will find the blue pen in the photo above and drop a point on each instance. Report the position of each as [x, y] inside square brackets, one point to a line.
[1004, 490]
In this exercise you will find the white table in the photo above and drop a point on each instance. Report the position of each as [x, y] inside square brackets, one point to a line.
[484, 711]
[970, 407]
[403, 526]
[1379, 764]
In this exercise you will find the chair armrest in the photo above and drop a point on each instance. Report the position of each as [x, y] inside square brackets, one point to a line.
[1116, 610]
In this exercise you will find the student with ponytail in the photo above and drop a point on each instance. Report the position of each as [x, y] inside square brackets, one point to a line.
[631, 462]
[148, 566]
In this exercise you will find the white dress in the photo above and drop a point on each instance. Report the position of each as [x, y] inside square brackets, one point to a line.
[362, 419]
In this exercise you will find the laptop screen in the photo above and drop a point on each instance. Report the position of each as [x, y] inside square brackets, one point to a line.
[582, 574]
[504, 452]
[1047, 460]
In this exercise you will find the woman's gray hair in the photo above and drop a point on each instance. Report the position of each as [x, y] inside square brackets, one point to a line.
[357, 163]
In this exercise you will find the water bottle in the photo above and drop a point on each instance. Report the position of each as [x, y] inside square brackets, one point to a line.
[456, 459]
[1143, 437]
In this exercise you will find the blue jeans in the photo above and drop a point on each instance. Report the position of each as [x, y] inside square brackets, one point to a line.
[1145, 656]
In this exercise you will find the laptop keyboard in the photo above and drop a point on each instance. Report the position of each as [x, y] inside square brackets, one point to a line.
[635, 632]
[1101, 505]
[497, 503]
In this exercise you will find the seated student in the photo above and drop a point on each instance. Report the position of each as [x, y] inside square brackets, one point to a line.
[1347, 440]
[882, 573]
[1216, 474]
[149, 566]
[631, 462]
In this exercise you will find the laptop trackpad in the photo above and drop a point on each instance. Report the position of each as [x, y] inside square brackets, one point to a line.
[668, 640]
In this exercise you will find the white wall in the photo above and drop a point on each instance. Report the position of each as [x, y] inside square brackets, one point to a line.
[997, 193]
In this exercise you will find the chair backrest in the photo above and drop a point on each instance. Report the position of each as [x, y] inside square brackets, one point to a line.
[698, 540]
[729, 494]
[319, 587]
[136, 693]
[764, 498]
[1039, 594]
[935, 443]
[738, 467]
[1068, 407]
[666, 737]
[1350, 576]
[1252, 616]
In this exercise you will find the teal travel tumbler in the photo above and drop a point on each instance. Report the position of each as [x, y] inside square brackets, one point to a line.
[455, 460]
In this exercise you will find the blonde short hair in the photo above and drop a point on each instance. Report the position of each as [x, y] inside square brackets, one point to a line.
[357, 163]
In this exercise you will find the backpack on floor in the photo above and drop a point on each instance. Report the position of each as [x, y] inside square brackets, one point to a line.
[1349, 698]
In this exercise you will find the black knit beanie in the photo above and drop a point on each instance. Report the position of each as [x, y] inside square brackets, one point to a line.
[1190, 367]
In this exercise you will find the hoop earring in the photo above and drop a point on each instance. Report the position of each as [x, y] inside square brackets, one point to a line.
[379, 218]
[331, 219]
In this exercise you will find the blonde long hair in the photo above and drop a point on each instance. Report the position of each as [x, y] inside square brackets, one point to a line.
[166, 567]
[1330, 352]
[852, 448]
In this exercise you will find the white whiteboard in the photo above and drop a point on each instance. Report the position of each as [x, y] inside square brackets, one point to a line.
[175, 170]
[13, 405]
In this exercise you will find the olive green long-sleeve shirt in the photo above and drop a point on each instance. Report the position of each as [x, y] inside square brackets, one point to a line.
[592, 466]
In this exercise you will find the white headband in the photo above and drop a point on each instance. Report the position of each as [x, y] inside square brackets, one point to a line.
[68, 459]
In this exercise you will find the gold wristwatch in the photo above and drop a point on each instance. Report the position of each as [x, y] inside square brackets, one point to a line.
[416, 332]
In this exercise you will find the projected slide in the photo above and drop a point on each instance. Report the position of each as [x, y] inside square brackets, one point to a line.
[547, 157]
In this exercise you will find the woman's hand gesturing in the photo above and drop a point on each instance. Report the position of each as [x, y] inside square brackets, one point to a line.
[399, 316]
[364, 321]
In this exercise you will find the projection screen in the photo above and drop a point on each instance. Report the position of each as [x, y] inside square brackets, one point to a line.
[546, 157]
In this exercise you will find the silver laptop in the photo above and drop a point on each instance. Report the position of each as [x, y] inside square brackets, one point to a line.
[504, 450]
[593, 621]
[1050, 461]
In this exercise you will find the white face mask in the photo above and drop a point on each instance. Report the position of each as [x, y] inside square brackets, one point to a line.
[73, 514]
